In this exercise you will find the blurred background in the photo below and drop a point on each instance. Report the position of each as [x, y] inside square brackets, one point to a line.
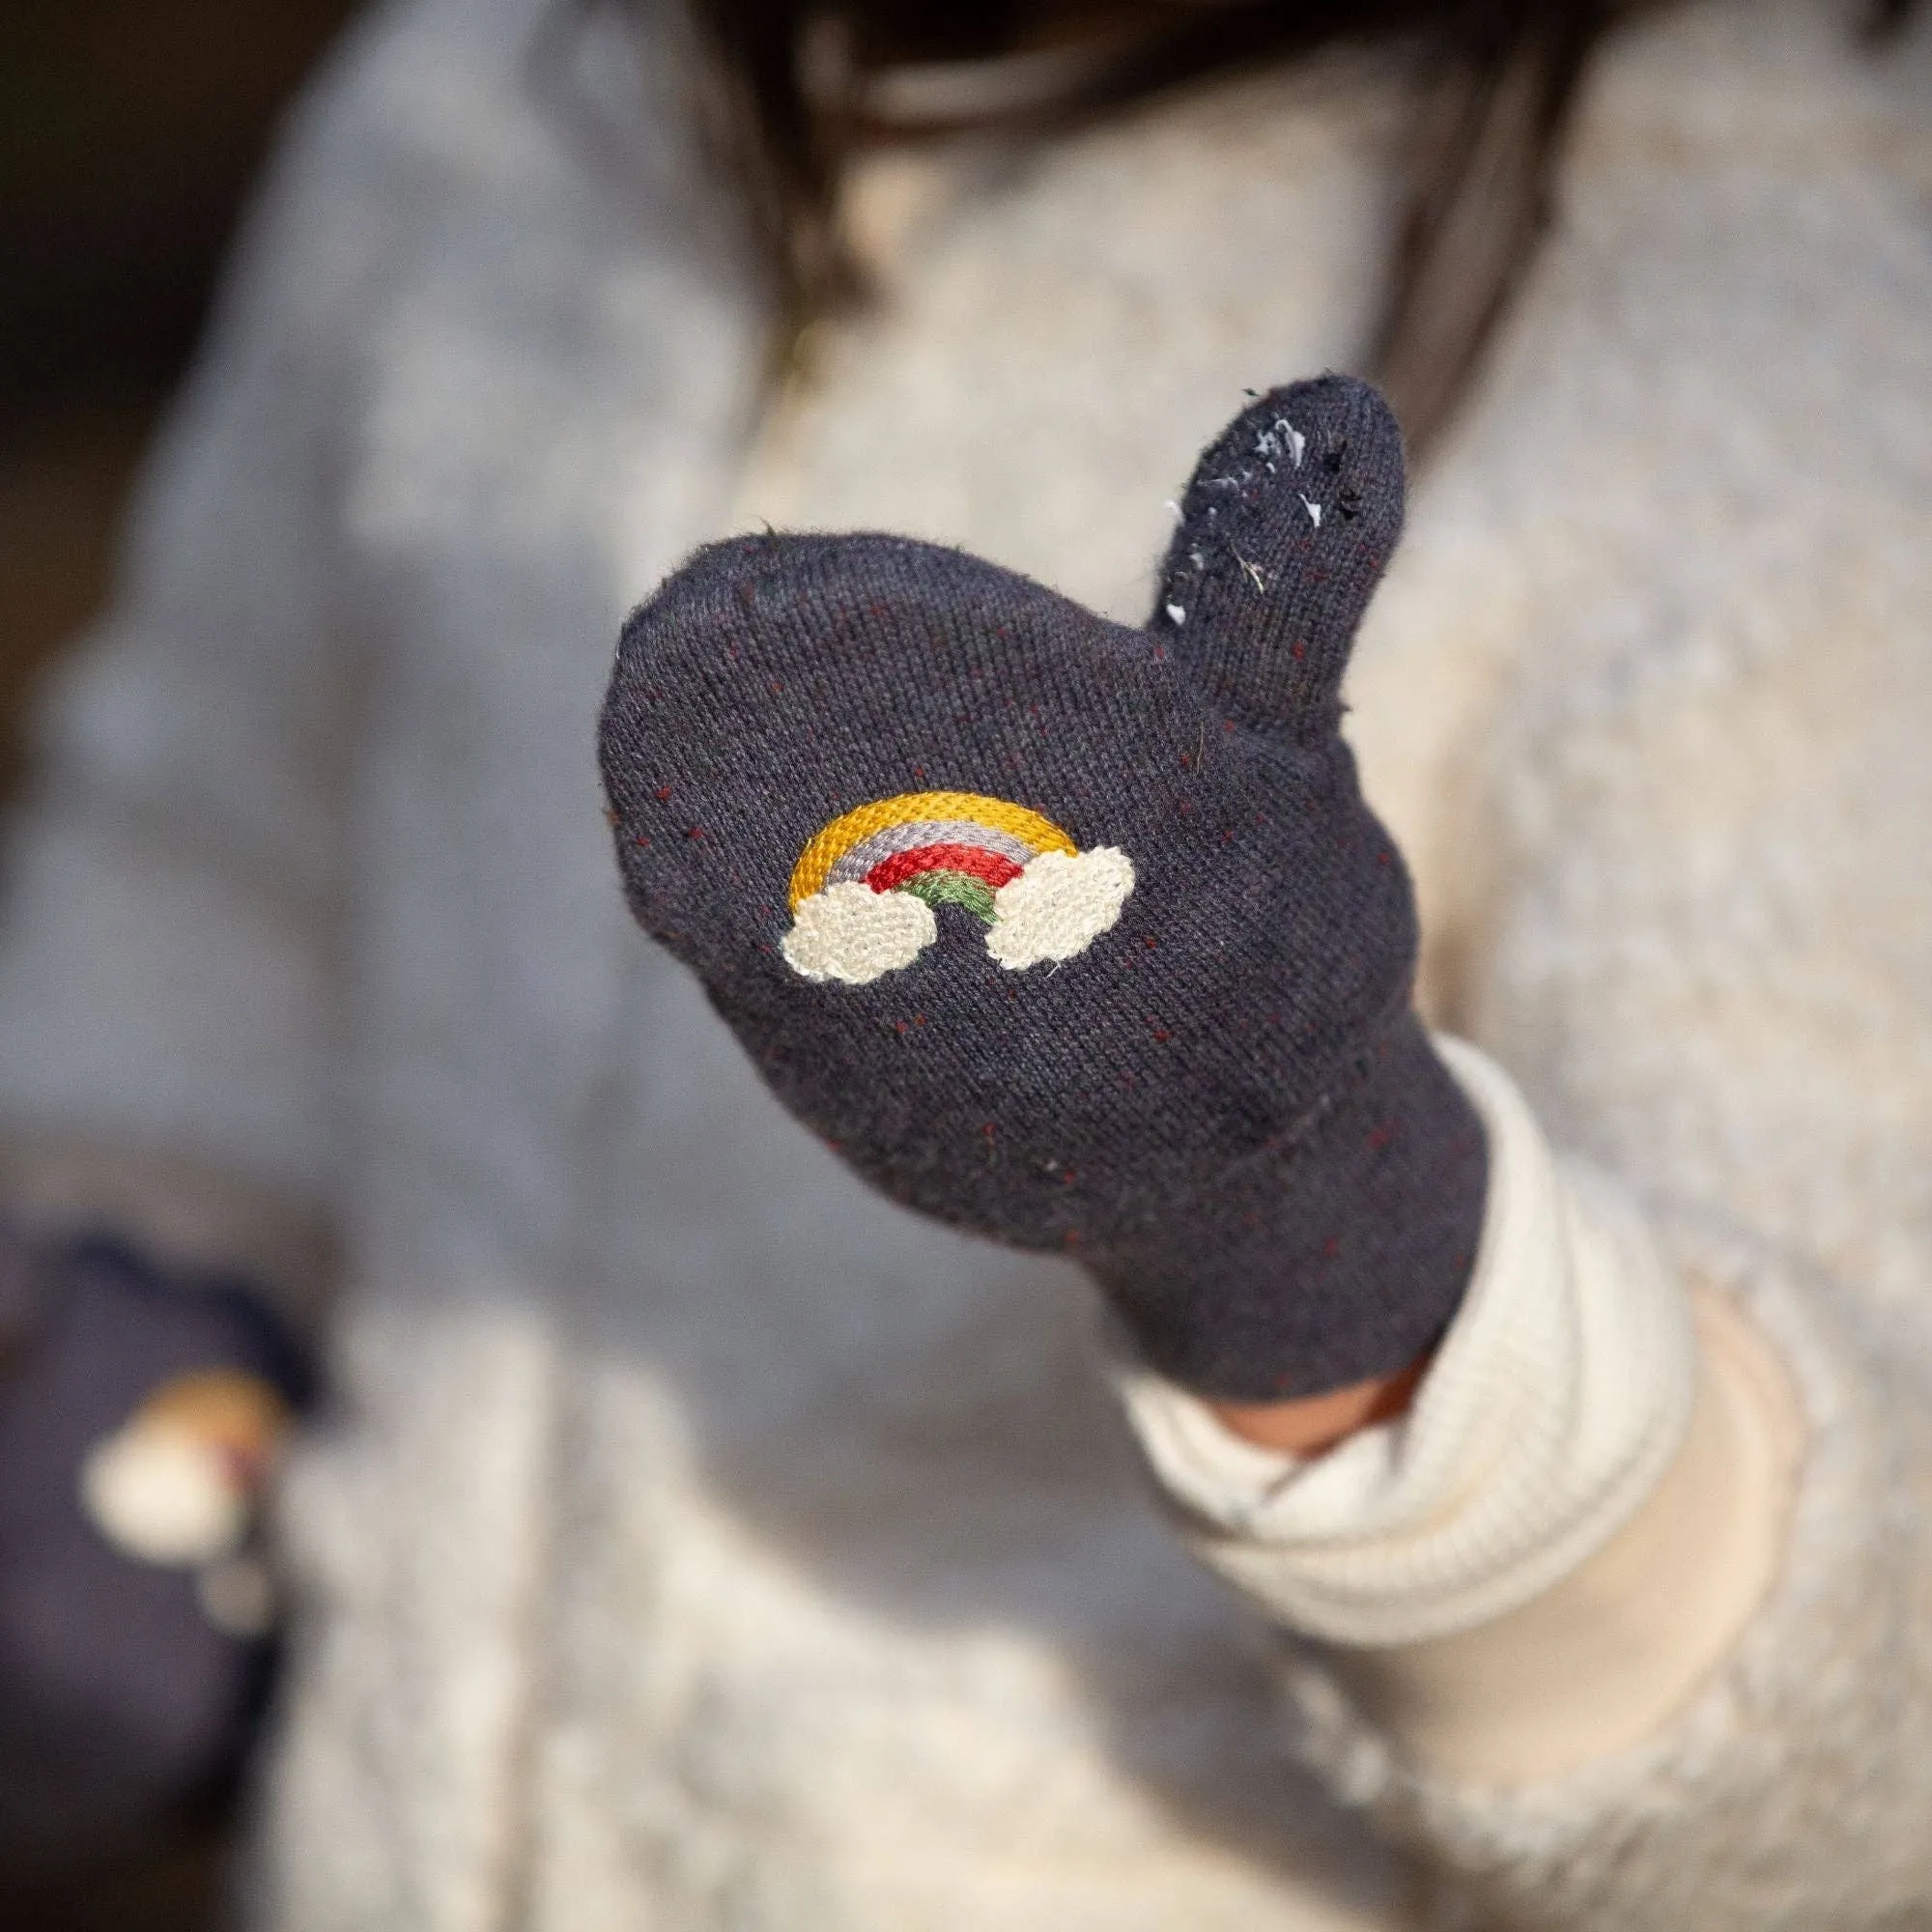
[130, 131]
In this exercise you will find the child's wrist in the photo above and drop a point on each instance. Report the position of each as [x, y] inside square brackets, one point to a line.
[1547, 1415]
[1311, 1425]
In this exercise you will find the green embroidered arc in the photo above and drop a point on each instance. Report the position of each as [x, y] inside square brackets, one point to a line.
[960, 889]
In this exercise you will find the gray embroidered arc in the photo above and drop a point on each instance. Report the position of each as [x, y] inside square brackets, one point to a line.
[863, 856]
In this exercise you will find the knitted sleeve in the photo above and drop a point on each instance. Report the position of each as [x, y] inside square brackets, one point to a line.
[1614, 1648]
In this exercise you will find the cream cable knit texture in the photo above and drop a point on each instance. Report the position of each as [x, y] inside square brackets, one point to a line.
[1557, 1399]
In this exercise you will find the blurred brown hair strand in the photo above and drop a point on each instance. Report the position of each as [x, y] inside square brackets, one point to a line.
[804, 85]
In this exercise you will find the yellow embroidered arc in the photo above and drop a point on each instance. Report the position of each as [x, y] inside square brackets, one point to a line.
[830, 844]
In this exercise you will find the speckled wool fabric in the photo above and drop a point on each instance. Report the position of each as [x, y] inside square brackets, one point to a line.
[705, 1543]
[1217, 1098]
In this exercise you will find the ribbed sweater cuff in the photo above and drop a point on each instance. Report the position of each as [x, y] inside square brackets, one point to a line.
[1555, 1404]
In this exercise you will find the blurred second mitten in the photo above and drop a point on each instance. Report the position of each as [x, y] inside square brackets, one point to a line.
[140, 1413]
[1076, 935]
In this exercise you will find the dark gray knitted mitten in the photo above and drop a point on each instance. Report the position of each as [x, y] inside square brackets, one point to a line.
[1078, 936]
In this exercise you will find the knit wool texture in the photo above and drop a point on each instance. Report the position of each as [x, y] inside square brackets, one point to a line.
[1222, 1104]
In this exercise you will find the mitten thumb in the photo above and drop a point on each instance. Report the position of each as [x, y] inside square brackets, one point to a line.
[1290, 517]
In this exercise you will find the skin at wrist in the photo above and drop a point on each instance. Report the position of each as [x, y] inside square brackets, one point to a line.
[1312, 1424]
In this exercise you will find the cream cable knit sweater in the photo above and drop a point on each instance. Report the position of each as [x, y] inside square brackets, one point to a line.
[701, 1542]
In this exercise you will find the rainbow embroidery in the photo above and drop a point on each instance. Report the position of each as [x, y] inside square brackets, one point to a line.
[866, 889]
